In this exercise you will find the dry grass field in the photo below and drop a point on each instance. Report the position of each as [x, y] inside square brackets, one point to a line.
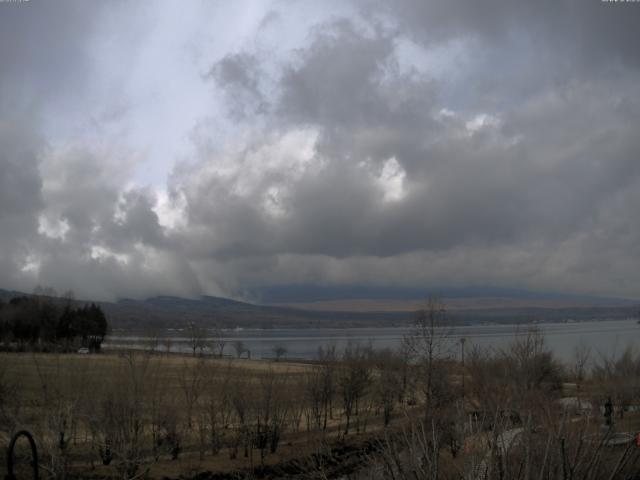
[150, 415]
[165, 415]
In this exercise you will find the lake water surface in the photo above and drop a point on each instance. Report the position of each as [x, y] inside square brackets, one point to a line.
[603, 337]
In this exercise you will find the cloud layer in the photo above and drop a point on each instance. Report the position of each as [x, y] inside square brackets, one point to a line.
[148, 150]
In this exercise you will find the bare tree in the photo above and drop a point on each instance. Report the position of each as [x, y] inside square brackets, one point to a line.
[239, 348]
[240, 400]
[354, 379]
[532, 362]
[327, 358]
[619, 376]
[314, 397]
[197, 338]
[219, 341]
[122, 413]
[168, 341]
[405, 355]
[297, 402]
[157, 402]
[428, 344]
[152, 340]
[191, 379]
[388, 382]
[279, 351]
[64, 388]
[269, 412]
[581, 357]
[11, 400]
[217, 404]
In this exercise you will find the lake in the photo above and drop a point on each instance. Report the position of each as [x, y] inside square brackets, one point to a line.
[603, 337]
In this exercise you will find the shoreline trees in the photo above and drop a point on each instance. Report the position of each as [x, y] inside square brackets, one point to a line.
[45, 322]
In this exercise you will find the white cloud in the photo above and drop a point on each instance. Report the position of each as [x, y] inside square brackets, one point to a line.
[482, 121]
[31, 265]
[391, 180]
[170, 209]
[101, 253]
[57, 228]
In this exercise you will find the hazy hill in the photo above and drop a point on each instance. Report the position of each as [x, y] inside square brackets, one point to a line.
[295, 294]
[322, 309]
[177, 312]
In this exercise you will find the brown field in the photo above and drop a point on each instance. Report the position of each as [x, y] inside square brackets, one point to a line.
[29, 369]
[73, 393]
[149, 415]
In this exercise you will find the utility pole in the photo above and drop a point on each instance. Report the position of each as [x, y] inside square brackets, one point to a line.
[462, 342]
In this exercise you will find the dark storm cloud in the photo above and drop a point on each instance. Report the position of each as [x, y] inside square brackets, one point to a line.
[415, 143]
[43, 51]
[594, 30]
[518, 177]
[36, 42]
[20, 198]
[538, 166]
[337, 79]
[240, 74]
[112, 241]
[68, 219]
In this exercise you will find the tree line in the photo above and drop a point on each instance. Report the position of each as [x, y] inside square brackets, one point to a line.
[43, 322]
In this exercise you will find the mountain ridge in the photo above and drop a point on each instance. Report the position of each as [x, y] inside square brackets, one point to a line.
[165, 311]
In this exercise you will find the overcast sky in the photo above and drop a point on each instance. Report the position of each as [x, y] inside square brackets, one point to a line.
[186, 148]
